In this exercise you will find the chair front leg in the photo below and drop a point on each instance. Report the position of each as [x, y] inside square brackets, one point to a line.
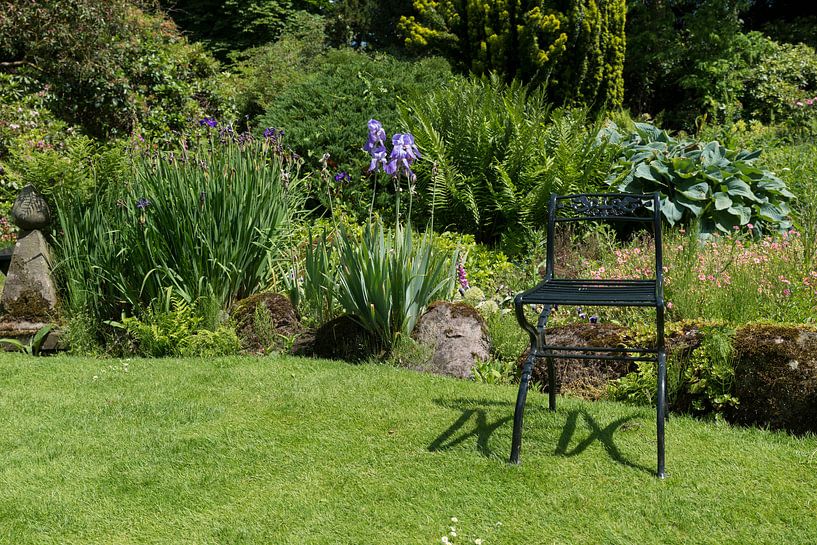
[537, 341]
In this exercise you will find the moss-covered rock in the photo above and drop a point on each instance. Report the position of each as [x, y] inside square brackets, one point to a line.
[776, 376]
[343, 338]
[581, 377]
[266, 321]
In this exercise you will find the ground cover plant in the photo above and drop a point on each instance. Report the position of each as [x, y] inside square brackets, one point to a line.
[288, 450]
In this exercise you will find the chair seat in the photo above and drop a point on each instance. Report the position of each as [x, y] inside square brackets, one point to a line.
[635, 293]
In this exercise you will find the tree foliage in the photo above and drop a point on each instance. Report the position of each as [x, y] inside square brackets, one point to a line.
[371, 23]
[575, 48]
[231, 25]
[107, 64]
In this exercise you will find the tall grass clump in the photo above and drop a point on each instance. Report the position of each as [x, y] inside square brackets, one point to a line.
[208, 221]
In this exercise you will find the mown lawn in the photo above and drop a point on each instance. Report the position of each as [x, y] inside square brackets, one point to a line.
[286, 450]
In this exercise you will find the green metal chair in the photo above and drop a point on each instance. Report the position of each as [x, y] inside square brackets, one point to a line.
[551, 291]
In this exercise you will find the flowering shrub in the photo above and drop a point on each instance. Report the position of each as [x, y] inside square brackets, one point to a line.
[804, 116]
[736, 278]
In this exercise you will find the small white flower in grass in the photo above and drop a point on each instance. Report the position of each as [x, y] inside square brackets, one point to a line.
[477, 541]
[444, 540]
[96, 377]
[454, 519]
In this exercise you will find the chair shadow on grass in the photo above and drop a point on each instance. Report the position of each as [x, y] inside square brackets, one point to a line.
[597, 433]
[483, 428]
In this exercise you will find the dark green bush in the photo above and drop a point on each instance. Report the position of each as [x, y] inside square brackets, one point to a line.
[774, 77]
[107, 65]
[328, 110]
[265, 71]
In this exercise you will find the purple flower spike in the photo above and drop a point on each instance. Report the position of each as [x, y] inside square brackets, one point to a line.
[378, 158]
[208, 121]
[377, 137]
[403, 155]
[462, 277]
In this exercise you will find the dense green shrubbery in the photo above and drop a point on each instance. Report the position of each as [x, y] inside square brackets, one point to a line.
[109, 66]
[264, 72]
[226, 26]
[574, 48]
[323, 113]
[207, 224]
[494, 153]
[722, 188]
[690, 60]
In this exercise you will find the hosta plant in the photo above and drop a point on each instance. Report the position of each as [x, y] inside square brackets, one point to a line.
[722, 188]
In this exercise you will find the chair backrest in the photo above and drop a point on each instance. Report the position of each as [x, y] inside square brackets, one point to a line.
[611, 207]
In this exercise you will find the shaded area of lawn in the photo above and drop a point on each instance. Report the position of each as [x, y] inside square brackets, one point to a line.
[285, 450]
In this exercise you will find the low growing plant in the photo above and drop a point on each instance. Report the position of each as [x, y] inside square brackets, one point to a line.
[721, 188]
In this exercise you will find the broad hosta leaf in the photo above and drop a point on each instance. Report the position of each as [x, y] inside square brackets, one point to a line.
[725, 221]
[722, 201]
[770, 212]
[696, 191]
[671, 211]
[742, 212]
[643, 171]
[739, 188]
[696, 207]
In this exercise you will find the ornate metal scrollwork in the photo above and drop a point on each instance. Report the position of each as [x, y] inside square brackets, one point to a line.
[602, 206]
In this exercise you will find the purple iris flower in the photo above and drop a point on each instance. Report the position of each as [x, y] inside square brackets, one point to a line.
[142, 203]
[342, 177]
[594, 319]
[377, 136]
[270, 132]
[403, 155]
[208, 121]
[378, 158]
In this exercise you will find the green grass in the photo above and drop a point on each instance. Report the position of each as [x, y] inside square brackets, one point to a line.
[285, 450]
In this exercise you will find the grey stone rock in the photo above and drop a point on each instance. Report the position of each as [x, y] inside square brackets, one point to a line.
[458, 335]
[29, 292]
[30, 211]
